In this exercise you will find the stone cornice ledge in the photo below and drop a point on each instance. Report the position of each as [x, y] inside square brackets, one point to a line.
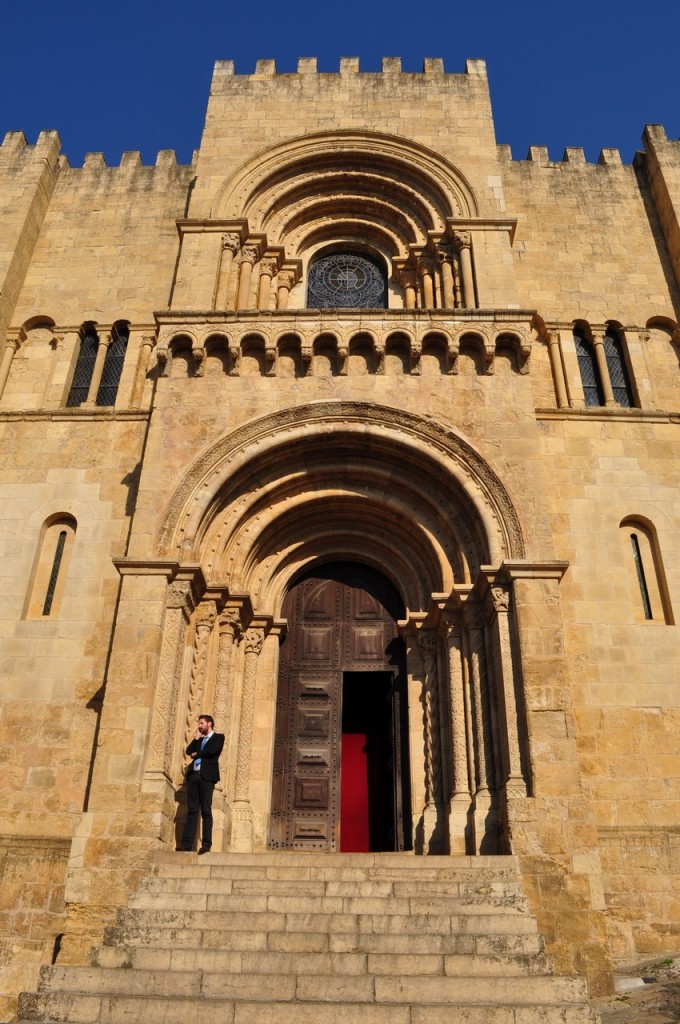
[608, 415]
[64, 415]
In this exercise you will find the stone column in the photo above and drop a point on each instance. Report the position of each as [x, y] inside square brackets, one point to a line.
[95, 381]
[242, 815]
[230, 246]
[498, 606]
[409, 283]
[446, 269]
[432, 837]
[179, 606]
[459, 804]
[205, 616]
[285, 282]
[426, 271]
[463, 242]
[598, 342]
[484, 812]
[268, 268]
[148, 342]
[11, 346]
[555, 354]
[249, 257]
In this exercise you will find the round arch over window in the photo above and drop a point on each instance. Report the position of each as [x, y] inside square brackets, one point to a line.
[346, 280]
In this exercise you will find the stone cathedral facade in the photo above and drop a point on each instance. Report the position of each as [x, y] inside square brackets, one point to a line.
[356, 426]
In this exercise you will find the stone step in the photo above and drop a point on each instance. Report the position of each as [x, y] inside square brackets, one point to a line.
[282, 987]
[360, 921]
[305, 962]
[85, 1009]
[336, 867]
[493, 894]
[322, 904]
[134, 935]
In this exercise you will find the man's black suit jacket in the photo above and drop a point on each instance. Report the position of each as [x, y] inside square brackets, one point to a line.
[209, 767]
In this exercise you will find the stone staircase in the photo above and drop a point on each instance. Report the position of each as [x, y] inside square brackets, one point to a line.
[315, 938]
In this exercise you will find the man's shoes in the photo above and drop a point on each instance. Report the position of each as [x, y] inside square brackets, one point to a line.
[204, 849]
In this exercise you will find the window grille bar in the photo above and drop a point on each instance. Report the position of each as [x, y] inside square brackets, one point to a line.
[52, 585]
[637, 557]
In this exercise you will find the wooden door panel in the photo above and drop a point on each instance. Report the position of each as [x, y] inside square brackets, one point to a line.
[333, 626]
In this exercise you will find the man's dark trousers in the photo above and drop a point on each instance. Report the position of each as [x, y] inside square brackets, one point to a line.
[199, 794]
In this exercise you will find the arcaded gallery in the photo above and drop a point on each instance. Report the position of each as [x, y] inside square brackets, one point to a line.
[357, 434]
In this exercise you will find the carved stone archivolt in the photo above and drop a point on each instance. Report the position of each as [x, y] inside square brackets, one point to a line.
[208, 475]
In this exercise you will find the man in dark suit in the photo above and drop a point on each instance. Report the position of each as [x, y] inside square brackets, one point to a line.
[201, 776]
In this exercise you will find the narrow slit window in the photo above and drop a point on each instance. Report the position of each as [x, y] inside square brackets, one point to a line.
[640, 570]
[618, 373]
[54, 575]
[48, 580]
[113, 367]
[82, 375]
[590, 375]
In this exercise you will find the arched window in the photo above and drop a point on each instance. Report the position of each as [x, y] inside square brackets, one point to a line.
[346, 280]
[616, 364]
[48, 579]
[113, 365]
[587, 364]
[646, 575]
[82, 375]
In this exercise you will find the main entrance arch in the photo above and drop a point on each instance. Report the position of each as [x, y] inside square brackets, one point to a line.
[412, 502]
[340, 778]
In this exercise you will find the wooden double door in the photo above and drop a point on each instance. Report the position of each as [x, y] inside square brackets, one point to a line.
[340, 773]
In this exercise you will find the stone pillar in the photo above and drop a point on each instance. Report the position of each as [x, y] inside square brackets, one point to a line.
[148, 342]
[230, 246]
[268, 268]
[409, 282]
[463, 241]
[598, 342]
[179, 606]
[459, 803]
[446, 270]
[95, 381]
[484, 811]
[285, 282]
[242, 815]
[555, 354]
[249, 257]
[11, 346]
[431, 826]
[426, 271]
[205, 616]
[498, 611]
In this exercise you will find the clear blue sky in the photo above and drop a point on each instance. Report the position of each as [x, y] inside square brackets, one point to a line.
[134, 74]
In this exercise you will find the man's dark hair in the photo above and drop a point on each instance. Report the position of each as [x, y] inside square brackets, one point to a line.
[208, 718]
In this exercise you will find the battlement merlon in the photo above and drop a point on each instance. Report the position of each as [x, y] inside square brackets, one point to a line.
[348, 66]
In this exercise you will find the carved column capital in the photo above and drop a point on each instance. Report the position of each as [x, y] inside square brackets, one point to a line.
[426, 264]
[286, 279]
[427, 641]
[253, 639]
[206, 615]
[180, 595]
[269, 266]
[250, 254]
[231, 242]
[461, 239]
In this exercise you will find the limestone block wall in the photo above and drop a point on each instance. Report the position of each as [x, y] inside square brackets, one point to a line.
[53, 666]
[27, 178]
[108, 244]
[588, 243]
[450, 113]
[623, 669]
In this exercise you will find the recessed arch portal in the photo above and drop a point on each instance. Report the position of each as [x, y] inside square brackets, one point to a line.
[341, 479]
